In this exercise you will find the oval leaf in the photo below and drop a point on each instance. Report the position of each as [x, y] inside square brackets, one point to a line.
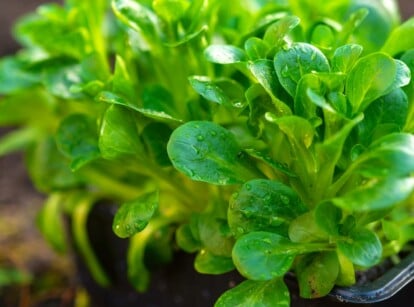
[133, 216]
[362, 247]
[205, 151]
[273, 293]
[300, 59]
[263, 205]
[208, 263]
[224, 54]
[263, 255]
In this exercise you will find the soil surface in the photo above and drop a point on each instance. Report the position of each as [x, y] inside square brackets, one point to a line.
[21, 245]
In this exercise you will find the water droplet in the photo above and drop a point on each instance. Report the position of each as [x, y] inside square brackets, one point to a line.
[196, 150]
[248, 187]
[235, 195]
[313, 56]
[200, 138]
[267, 198]
[117, 226]
[284, 199]
[213, 133]
[238, 104]
[127, 227]
[285, 71]
[240, 230]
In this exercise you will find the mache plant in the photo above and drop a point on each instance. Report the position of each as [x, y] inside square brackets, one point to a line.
[266, 136]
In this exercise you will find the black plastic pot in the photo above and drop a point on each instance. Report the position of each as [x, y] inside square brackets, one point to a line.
[178, 284]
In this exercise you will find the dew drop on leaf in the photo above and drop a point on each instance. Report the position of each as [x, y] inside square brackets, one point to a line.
[248, 187]
[200, 138]
[213, 133]
[284, 199]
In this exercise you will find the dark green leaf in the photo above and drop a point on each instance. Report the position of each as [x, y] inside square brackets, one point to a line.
[205, 151]
[362, 247]
[273, 293]
[263, 255]
[263, 205]
[187, 240]
[208, 263]
[297, 60]
[375, 194]
[119, 135]
[225, 91]
[155, 137]
[328, 218]
[77, 137]
[112, 98]
[133, 216]
[371, 77]
[14, 76]
[317, 274]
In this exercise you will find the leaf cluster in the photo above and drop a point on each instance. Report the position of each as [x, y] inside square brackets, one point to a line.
[264, 136]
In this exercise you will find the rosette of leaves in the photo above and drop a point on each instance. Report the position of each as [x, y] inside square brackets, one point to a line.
[265, 136]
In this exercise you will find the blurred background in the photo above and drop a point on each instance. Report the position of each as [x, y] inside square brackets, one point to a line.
[21, 246]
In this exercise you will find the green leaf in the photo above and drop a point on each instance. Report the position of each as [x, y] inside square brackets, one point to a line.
[275, 34]
[155, 137]
[391, 155]
[362, 247]
[18, 140]
[345, 57]
[256, 48]
[208, 263]
[400, 39]
[215, 236]
[371, 77]
[133, 216]
[49, 169]
[305, 229]
[273, 293]
[51, 224]
[152, 111]
[77, 137]
[263, 255]
[264, 72]
[224, 54]
[205, 151]
[187, 240]
[137, 16]
[375, 194]
[13, 108]
[297, 60]
[119, 134]
[225, 91]
[328, 218]
[269, 161]
[263, 205]
[317, 273]
[385, 115]
[12, 276]
[171, 10]
[14, 76]
[346, 275]
[299, 130]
